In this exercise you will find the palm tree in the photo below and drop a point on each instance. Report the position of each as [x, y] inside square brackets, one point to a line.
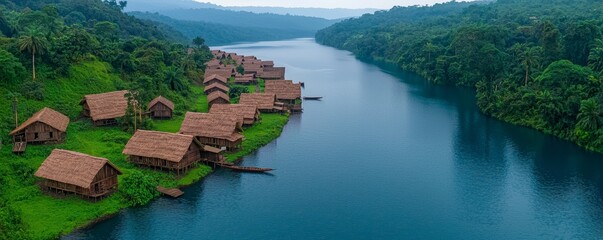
[595, 57]
[173, 79]
[34, 43]
[528, 60]
[589, 118]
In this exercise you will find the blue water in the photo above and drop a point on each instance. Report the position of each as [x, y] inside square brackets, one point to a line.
[385, 155]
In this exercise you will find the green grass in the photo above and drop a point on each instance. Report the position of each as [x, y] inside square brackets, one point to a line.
[260, 134]
[48, 217]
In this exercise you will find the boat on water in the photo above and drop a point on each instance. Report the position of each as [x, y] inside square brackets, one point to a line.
[312, 98]
[246, 169]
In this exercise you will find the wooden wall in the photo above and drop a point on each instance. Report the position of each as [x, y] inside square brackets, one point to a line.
[160, 110]
[39, 132]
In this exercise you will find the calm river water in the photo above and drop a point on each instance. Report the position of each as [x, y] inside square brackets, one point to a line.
[385, 155]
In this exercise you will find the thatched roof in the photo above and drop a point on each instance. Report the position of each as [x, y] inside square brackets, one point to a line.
[72, 168]
[218, 86]
[246, 111]
[213, 63]
[163, 101]
[210, 125]
[268, 63]
[264, 101]
[284, 89]
[274, 73]
[107, 105]
[168, 146]
[215, 77]
[222, 72]
[47, 116]
[216, 95]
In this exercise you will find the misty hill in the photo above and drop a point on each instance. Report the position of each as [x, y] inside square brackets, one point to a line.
[221, 34]
[162, 5]
[327, 13]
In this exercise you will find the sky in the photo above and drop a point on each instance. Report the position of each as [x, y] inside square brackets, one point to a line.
[381, 4]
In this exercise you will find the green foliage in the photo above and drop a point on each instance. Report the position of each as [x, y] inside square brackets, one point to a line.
[11, 69]
[33, 90]
[236, 91]
[535, 63]
[138, 188]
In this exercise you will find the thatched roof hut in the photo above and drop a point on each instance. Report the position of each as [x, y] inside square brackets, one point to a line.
[215, 79]
[213, 129]
[78, 173]
[249, 112]
[217, 97]
[45, 126]
[161, 108]
[284, 89]
[104, 108]
[163, 150]
[266, 102]
[216, 87]
[222, 72]
[276, 73]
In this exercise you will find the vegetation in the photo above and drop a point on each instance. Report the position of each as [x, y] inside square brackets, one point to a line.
[79, 47]
[219, 31]
[260, 134]
[88, 46]
[536, 63]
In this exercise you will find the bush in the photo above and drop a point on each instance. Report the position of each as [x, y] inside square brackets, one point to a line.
[138, 189]
[33, 90]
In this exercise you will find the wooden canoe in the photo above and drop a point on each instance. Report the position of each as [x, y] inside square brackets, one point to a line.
[247, 169]
[312, 98]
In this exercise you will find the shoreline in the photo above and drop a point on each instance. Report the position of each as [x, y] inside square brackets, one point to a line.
[193, 181]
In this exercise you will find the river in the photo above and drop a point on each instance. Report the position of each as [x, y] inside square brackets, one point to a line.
[385, 155]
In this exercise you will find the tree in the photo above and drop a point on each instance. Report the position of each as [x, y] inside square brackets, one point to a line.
[589, 118]
[595, 57]
[10, 67]
[173, 79]
[34, 43]
[199, 41]
[529, 58]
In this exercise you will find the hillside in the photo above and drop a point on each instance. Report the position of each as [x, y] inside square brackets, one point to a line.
[327, 13]
[533, 63]
[222, 34]
[83, 47]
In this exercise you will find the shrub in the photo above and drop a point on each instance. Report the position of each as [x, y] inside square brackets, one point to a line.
[138, 189]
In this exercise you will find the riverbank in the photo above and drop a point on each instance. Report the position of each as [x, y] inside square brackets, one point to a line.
[48, 217]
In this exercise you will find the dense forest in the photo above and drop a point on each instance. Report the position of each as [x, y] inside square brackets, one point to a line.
[221, 34]
[52, 53]
[535, 63]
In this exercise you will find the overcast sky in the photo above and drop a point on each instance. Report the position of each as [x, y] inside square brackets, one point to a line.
[382, 4]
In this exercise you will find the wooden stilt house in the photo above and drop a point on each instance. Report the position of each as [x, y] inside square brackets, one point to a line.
[84, 175]
[266, 102]
[215, 130]
[217, 97]
[46, 126]
[249, 112]
[161, 108]
[286, 92]
[105, 108]
[166, 151]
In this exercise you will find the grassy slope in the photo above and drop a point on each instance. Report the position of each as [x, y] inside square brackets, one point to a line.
[49, 217]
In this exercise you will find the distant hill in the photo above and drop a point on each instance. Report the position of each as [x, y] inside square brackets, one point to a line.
[221, 34]
[327, 13]
[162, 5]
[249, 19]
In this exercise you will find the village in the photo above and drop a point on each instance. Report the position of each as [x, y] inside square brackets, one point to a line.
[203, 138]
